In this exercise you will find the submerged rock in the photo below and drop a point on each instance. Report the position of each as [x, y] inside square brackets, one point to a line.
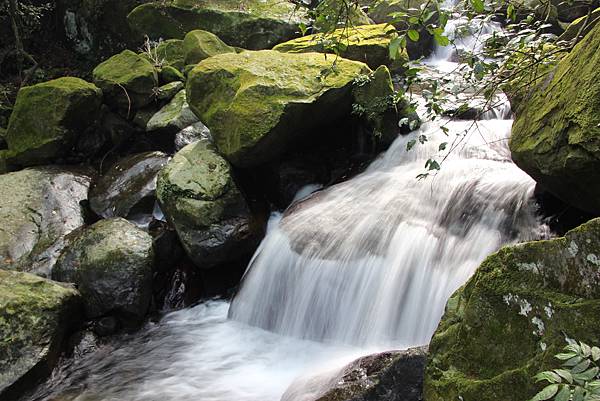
[36, 315]
[199, 45]
[128, 81]
[255, 24]
[111, 263]
[556, 133]
[198, 195]
[259, 104]
[49, 118]
[38, 207]
[126, 184]
[513, 315]
[191, 134]
[388, 376]
[366, 43]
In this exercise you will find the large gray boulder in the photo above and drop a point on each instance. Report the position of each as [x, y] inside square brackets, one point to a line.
[111, 263]
[38, 207]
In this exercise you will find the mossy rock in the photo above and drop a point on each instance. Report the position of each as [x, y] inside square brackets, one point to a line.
[199, 45]
[171, 53]
[510, 319]
[252, 24]
[258, 104]
[48, 119]
[198, 195]
[35, 317]
[111, 263]
[173, 117]
[556, 133]
[581, 26]
[127, 80]
[38, 208]
[366, 43]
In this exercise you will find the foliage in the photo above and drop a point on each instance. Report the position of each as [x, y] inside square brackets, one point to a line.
[29, 13]
[577, 380]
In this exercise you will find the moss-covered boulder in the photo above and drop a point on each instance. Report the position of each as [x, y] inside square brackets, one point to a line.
[556, 133]
[199, 45]
[366, 43]
[38, 207]
[252, 24]
[49, 118]
[198, 195]
[171, 53]
[35, 316]
[390, 376]
[334, 14]
[111, 263]
[172, 118]
[581, 26]
[510, 319]
[127, 80]
[257, 104]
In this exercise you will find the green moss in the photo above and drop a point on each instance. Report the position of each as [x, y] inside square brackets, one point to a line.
[583, 24]
[127, 80]
[366, 43]
[48, 118]
[333, 14]
[513, 315]
[35, 315]
[255, 24]
[556, 134]
[199, 45]
[257, 103]
[172, 53]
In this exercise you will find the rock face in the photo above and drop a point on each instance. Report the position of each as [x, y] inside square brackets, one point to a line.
[389, 376]
[510, 319]
[366, 43]
[95, 28]
[111, 264]
[581, 26]
[255, 24]
[127, 80]
[35, 316]
[39, 207]
[199, 197]
[556, 134]
[127, 183]
[199, 45]
[49, 118]
[258, 104]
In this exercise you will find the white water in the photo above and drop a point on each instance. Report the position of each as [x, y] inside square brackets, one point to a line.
[363, 266]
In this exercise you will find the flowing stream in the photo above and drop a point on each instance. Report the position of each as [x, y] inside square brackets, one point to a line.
[362, 266]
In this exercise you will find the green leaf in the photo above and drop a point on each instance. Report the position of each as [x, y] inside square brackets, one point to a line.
[586, 350]
[394, 47]
[565, 356]
[564, 394]
[565, 374]
[413, 35]
[478, 6]
[573, 361]
[441, 40]
[587, 375]
[580, 367]
[443, 146]
[595, 353]
[510, 12]
[547, 393]
[432, 165]
[578, 394]
[548, 376]
[411, 144]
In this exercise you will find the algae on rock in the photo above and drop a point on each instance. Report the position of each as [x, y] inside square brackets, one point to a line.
[510, 319]
[199, 45]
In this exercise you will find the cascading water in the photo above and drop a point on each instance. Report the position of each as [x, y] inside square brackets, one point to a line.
[362, 266]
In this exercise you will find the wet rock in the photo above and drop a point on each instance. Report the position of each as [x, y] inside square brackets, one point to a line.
[198, 195]
[199, 45]
[366, 43]
[126, 183]
[191, 134]
[49, 118]
[531, 296]
[280, 100]
[35, 316]
[127, 80]
[111, 263]
[172, 118]
[116, 128]
[106, 326]
[257, 24]
[39, 207]
[388, 376]
[556, 133]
